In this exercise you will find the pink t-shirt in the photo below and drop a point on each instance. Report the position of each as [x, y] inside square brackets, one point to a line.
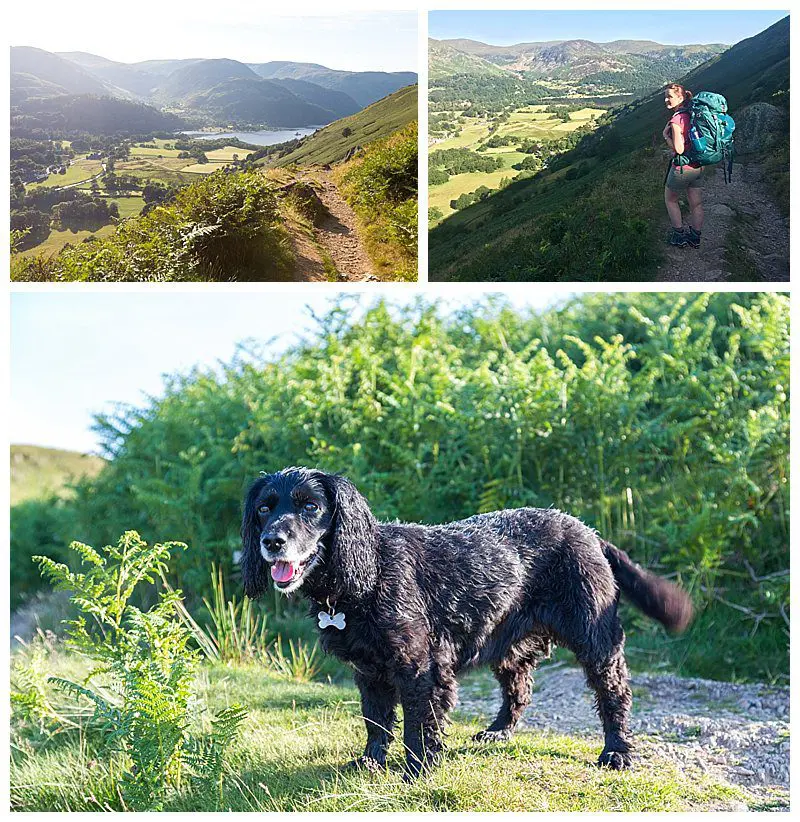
[681, 120]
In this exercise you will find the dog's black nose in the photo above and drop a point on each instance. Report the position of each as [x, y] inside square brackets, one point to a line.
[273, 541]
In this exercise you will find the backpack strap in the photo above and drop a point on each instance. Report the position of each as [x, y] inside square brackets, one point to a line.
[727, 165]
[682, 160]
[669, 167]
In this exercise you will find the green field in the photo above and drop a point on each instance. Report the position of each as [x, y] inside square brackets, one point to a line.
[470, 136]
[159, 152]
[38, 472]
[440, 196]
[530, 122]
[77, 172]
[226, 154]
[298, 737]
[129, 206]
[58, 239]
[149, 151]
[168, 170]
[203, 168]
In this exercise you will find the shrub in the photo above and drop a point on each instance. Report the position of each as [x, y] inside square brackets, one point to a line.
[141, 687]
[38, 527]
[225, 227]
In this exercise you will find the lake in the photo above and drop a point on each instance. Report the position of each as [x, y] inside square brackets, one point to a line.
[256, 138]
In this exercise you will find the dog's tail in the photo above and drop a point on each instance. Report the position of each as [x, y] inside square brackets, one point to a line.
[659, 599]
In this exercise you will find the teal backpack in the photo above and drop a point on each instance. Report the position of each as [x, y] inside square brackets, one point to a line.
[710, 132]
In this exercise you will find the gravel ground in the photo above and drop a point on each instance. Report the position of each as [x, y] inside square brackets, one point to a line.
[737, 734]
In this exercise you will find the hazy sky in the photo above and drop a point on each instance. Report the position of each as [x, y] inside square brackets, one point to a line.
[75, 354]
[243, 30]
[676, 27]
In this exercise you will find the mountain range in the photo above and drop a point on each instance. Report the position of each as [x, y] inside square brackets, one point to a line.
[218, 91]
[628, 61]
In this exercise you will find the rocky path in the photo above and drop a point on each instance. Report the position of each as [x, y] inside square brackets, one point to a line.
[737, 734]
[743, 215]
[337, 232]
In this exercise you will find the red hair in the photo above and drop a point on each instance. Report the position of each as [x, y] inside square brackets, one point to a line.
[687, 95]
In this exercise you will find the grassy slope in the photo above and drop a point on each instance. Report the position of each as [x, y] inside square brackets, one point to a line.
[38, 472]
[298, 735]
[481, 242]
[375, 121]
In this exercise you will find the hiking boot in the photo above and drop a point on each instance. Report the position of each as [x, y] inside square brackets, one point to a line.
[693, 237]
[678, 237]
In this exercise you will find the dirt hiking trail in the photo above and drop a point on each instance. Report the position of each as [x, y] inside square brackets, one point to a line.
[742, 224]
[337, 232]
[736, 734]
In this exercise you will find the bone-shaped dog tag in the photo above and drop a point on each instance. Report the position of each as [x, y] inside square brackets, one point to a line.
[328, 620]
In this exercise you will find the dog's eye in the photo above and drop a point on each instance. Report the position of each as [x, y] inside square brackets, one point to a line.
[311, 507]
[263, 509]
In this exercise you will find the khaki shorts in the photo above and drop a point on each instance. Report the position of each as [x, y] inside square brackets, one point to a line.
[679, 179]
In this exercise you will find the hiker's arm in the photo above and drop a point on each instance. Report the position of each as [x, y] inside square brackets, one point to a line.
[676, 139]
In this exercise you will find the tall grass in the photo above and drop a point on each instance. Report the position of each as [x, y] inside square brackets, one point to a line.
[236, 632]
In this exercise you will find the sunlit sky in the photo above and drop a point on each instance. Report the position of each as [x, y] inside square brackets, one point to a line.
[244, 30]
[674, 27]
[77, 353]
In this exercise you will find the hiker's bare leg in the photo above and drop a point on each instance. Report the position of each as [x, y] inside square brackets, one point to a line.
[695, 197]
[673, 208]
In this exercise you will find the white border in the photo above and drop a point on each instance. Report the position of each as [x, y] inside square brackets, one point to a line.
[396, 290]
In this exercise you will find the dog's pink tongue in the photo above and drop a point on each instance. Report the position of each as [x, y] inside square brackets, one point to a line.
[282, 571]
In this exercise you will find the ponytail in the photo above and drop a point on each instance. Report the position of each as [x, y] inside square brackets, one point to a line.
[687, 95]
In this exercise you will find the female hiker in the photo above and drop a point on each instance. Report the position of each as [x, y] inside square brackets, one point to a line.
[682, 175]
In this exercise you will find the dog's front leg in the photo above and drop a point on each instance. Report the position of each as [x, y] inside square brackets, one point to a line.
[425, 704]
[378, 707]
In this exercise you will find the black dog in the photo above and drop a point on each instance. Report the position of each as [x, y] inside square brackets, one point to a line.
[409, 606]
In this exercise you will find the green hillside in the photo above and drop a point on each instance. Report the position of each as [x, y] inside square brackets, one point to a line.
[594, 213]
[71, 115]
[332, 143]
[38, 472]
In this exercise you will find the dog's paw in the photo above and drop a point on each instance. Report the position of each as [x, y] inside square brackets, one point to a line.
[492, 736]
[616, 760]
[415, 767]
[366, 763]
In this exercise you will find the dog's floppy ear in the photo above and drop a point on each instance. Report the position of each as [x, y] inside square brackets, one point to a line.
[352, 536]
[255, 570]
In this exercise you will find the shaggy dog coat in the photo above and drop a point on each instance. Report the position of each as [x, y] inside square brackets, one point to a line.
[423, 602]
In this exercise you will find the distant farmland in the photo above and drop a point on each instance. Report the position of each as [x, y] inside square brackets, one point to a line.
[529, 122]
